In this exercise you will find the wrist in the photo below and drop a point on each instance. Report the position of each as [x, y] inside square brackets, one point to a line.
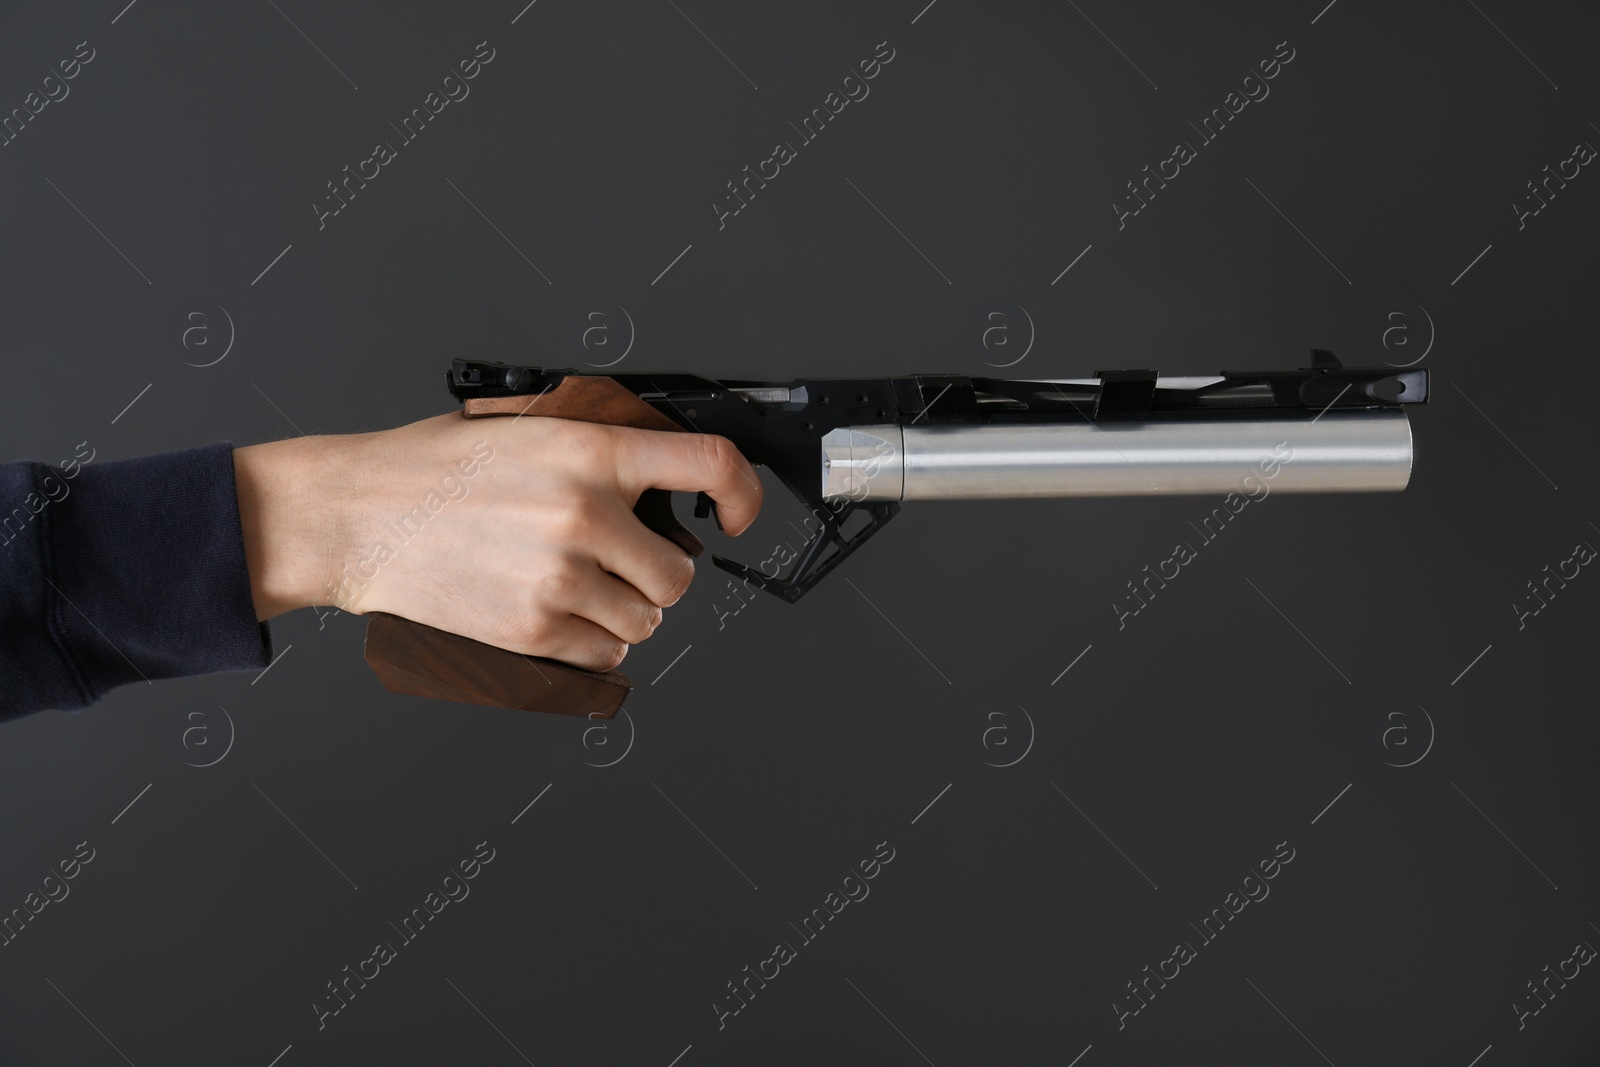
[293, 525]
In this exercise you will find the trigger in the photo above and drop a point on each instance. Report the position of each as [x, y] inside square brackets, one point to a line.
[704, 506]
[654, 509]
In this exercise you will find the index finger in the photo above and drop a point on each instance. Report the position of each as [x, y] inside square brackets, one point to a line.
[691, 463]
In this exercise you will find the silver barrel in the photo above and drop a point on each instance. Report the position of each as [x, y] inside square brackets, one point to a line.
[1336, 452]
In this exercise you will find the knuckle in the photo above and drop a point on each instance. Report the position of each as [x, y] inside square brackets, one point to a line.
[718, 456]
[678, 582]
[559, 585]
[593, 444]
[571, 518]
[611, 654]
[536, 632]
[643, 619]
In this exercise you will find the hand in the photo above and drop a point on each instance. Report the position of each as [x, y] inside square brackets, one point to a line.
[517, 532]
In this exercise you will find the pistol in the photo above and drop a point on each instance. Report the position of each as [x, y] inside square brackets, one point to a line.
[853, 450]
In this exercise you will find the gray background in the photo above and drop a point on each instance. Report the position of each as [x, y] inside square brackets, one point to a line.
[1315, 645]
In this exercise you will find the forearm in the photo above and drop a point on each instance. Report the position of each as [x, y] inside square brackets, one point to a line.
[169, 565]
[133, 570]
[296, 500]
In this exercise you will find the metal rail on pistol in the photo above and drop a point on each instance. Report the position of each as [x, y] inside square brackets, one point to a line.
[853, 449]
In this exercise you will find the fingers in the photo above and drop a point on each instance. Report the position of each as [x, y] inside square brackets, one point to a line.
[587, 617]
[691, 463]
[598, 578]
[649, 563]
[618, 607]
[577, 641]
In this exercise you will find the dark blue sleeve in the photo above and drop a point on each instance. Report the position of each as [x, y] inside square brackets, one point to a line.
[127, 571]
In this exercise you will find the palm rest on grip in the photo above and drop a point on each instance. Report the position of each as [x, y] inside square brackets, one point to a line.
[419, 660]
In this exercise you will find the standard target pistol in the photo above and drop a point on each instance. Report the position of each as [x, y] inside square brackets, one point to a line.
[854, 450]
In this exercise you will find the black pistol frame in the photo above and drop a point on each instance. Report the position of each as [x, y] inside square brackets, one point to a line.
[781, 425]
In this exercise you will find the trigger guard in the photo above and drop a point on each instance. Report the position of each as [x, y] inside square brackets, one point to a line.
[812, 563]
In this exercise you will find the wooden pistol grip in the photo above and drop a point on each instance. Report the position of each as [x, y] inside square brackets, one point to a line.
[409, 657]
[419, 660]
